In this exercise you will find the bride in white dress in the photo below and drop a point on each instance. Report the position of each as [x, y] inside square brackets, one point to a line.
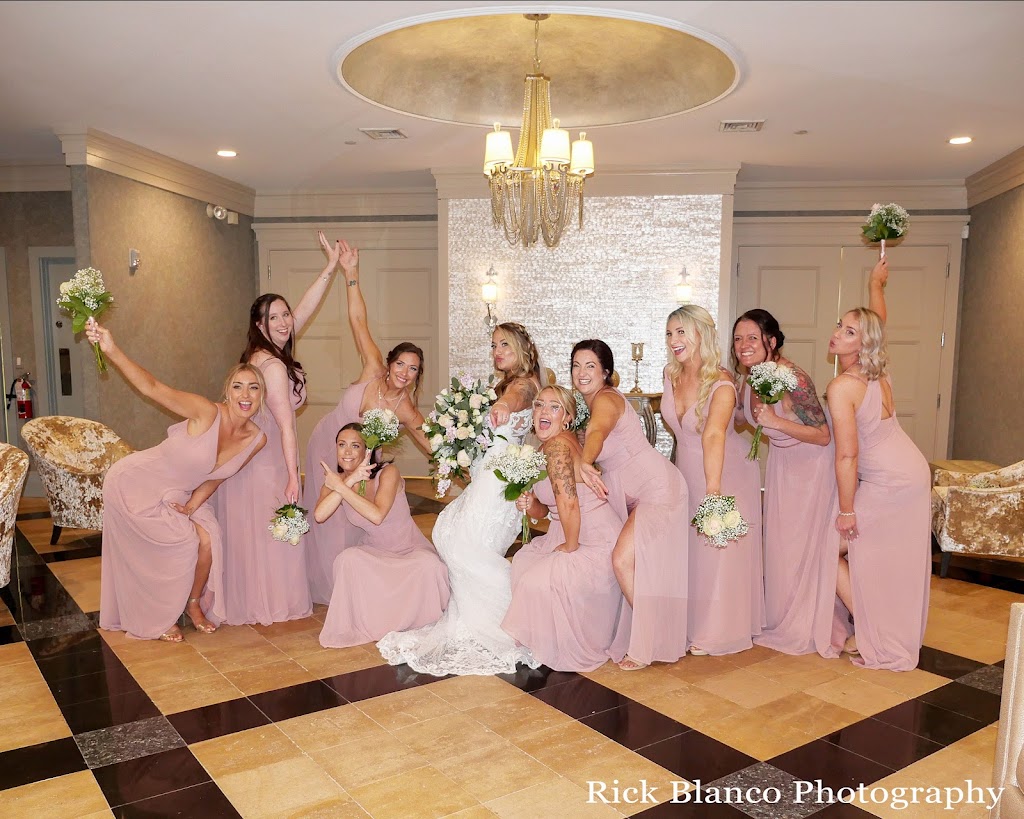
[472, 535]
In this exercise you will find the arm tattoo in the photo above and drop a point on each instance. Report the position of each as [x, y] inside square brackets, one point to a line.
[560, 470]
[521, 393]
[805, 401]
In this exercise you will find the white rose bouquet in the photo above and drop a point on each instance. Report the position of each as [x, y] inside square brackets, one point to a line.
[770, 381]
[379, 427]
[582, 412]
[289, 524]
[457, 429]
[84, 297]
[521, 468]
[886, 222]
[719, 520]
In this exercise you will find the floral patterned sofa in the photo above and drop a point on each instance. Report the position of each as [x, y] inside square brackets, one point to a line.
[979, 514]
[72, 456]
[13, 471]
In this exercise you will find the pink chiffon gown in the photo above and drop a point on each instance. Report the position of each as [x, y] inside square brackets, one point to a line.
[264, 579]
[325, 541]
[149, 550]
[391, 581]
[890, 561]
[800, 555]
[565, 604]
[641, 479]
[726, 585]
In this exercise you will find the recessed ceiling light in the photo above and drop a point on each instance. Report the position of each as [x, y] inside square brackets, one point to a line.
[959, 140]
[226, 152]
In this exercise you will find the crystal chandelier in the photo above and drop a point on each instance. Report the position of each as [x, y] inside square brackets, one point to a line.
[534, 192]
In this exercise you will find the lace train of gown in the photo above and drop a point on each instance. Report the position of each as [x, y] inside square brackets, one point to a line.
[471, 535]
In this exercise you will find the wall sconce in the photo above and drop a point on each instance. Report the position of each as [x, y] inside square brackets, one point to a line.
[684, 290]
[489, 292]
[221, 213]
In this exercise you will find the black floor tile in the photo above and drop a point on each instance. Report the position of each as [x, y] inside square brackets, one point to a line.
[103, 684]
[33, 515]
[945, 664]
[10, 634]
[76, 664]
[842, 810]
[92, 715]
[138, 779]
[930, 721]
[54, 626]
[693, 755]
[82, 548]
[762, 791]
[534, 679]
[884, 743]
[81, 642]
[297, 700]
[687, 810]
[965, 699]
[581, 697]
[37, 762]
[133, 740]
[634, 725]
[377, 681]
[217, 720]
[834, 766]
[205, 800]
[989, 678]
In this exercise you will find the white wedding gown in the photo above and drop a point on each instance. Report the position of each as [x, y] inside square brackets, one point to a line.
[472, 535]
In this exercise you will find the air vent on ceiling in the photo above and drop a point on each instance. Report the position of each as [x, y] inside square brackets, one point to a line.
[383, 133]
[740, 126]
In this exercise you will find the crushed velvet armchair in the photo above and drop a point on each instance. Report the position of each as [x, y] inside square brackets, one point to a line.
[13, 471]
[73, 456]
[979, 514]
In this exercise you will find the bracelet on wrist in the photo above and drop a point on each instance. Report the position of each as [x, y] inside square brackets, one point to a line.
[847, 514]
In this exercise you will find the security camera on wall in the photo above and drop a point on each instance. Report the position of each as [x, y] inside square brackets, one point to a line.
[221, 213]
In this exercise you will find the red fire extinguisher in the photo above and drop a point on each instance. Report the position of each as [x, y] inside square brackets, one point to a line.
[23, 395]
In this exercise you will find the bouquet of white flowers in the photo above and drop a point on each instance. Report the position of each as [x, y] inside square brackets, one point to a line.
[84, 297]
[886, 222]
[379, 427]
[457, 429]
[770, 381]
[582, 412]
[719, 520]
[289, 524]
[521, 468]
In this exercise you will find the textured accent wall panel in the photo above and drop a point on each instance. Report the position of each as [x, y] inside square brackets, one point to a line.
[615, 280]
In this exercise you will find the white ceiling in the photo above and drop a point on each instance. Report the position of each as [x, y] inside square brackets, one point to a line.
[879, 86]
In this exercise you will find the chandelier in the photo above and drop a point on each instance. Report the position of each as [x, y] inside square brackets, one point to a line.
[535, 192]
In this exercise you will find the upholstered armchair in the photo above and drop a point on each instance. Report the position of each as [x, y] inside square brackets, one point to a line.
[13, 471]
[72, 456]
[1008, 772]
[979, 514]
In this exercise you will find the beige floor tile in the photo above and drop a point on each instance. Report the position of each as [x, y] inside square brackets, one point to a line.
[638, 685]
[371, 758]
[807, 713]
[692, 705]
[956, 642]
[695, 669]
[6, 618]
[81, 579]
[858, 695]
[424, 792]
[449, 735]
[339, 661]
[14, 654]
[752, 656]
[403, 708]
[33, 726]
[800, 672]
[29, 503]
[630, 770]
[745, 688]
[495, 772]
[911, 683]
[287, 788]
[573, 741]
[981, 744]
[197, 693]
[224, 637]
[301, 643]
[286, 627]
[75, 794]
[245, 750]
[518, 716]
[472, 691]
[745, 733]
[326, 729]
[134, 653]
[344, 808]
[246, 656]
[559, 797]
[181, 665]
[476, 812]
[269, 677]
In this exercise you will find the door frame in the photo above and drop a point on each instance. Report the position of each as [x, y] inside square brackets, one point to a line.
[39, 259]
[7, 373]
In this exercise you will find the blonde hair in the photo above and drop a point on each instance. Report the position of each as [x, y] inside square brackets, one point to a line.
[874, 352]
[247, 368]
[527, 357]
[697, 320]
[566, 400]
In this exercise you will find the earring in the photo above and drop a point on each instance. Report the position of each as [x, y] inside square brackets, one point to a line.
[566, 426]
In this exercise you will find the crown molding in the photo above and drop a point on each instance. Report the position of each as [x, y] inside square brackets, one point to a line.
[935, 194]
[319, 204]
[999, 177]
[30, 176]
[86, 146]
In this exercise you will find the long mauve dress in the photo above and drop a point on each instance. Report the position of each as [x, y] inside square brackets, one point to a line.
[325, 541]
[565, 604]
[641, 479]
[726, 586]
[890, 561]
[264, 579]
[800, 555]
[149, 550]
[391, 581]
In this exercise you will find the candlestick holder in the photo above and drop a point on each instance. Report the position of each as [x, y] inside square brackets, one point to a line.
[637, 352]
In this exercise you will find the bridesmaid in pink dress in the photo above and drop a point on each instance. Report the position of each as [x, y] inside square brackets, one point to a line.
[565, 598]
[161, 541]
[393, 579]
[726, 585]
[884, 505]
[799, 572]
[265, 580]
[393, 384]
[649, 495]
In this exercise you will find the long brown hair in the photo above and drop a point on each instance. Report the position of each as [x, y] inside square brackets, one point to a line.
[257, 341]
[408, 347]
[526, 355]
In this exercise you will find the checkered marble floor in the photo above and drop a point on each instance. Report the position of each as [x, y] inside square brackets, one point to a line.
[262, 721]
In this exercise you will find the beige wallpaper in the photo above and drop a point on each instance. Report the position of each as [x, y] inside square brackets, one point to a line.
[184, 314]
[988, 418]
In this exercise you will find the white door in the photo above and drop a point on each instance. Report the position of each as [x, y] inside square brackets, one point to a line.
[58, 388]
[399, 286]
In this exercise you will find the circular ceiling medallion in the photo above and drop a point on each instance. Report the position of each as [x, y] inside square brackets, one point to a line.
[604, 70]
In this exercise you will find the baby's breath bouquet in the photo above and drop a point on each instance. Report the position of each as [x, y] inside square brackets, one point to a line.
[379, 427]
[84, 297]
[582, 412]
[457, 429]
[719, 520]
[521, 468]
[289, 524]
[770, 381]
[886, 222]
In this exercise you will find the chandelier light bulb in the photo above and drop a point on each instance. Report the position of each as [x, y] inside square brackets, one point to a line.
[498, 151]
[554, 146]
[582, 156]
